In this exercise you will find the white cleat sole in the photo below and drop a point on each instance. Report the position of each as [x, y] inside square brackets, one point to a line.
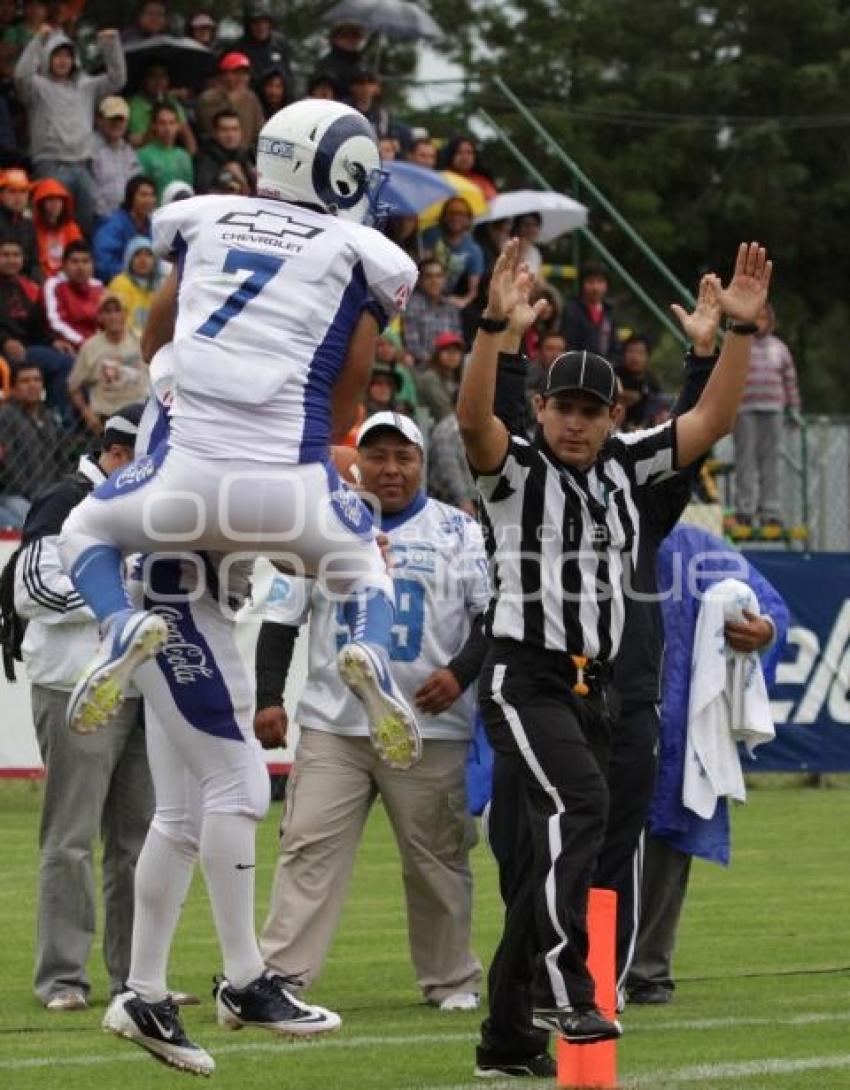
[99, 695]
[193, 1061]
[392, 725]
[330, 1023]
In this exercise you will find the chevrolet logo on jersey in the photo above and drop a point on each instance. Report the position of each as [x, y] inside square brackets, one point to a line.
[276, 224]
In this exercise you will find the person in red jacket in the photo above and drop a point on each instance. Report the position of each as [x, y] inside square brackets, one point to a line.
[71, 299]
[55, 227]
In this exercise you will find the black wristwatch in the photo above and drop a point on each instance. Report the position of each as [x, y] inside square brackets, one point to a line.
[492, 325]
[743, 329]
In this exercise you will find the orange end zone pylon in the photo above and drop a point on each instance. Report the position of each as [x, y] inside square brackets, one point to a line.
[596, 1065]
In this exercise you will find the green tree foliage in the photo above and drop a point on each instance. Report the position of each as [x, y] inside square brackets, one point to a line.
[704, 123]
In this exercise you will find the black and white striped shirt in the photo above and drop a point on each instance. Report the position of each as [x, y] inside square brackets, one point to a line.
[561, 540]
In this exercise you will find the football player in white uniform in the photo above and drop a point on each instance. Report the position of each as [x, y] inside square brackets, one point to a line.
[440, 577]
[270, 315]
[211, 787]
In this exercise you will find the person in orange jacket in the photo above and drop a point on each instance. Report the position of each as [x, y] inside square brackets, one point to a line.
[55, 226]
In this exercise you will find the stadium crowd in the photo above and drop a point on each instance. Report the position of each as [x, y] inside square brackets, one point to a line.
[103, 151]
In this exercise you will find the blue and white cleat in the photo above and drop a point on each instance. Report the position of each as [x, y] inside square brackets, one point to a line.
[392, 725]
[131, 637]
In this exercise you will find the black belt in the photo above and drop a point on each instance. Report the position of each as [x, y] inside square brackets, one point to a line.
[584, 675]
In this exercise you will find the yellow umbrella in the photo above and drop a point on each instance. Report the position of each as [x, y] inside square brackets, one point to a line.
[462, 187]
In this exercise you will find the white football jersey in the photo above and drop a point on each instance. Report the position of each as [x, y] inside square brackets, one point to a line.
[269, 295]
[441, 583]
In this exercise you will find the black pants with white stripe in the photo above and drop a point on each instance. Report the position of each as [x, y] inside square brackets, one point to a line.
[548, 816]
[631, 781]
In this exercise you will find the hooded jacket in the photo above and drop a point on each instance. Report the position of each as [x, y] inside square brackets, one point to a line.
[135, 292]
[110, 243]
[53, 240]
[61, 112]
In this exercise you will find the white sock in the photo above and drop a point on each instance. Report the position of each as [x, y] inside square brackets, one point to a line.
[227, 859]
[163, 876]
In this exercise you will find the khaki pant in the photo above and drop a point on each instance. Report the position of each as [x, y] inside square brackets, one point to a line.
[334, 782]
[97, 785]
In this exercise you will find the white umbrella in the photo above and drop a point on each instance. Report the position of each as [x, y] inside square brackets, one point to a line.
[559, 212]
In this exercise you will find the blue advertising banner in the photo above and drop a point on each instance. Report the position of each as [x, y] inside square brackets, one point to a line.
[811, 698]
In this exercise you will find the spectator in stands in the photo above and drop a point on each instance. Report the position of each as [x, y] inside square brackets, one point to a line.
[550, 345]
[388, 148]
[423, 153]
[527, 229]
[588, 321]
[55, 226]
[343, 60]
[150, 21]
[771, 393]
[154, 91]
[60, 100]
[225, 150]
[132, 218]
[451, 242]
[14, 223]
[25, 336]
[390, 350]
[273, 91]
[264, 46]
[135, 286]
[31, 447]
[202, 28]
[161, 158]
[321, 85]
[109, 370]
[404, 232]
[460, 155]
[383, 393]
[71, 297]
[23, 30]
[97, 785]
[449, 477]
[640, 385]
[437, 386]
[234, 93]
[114, 161]
[429, 312]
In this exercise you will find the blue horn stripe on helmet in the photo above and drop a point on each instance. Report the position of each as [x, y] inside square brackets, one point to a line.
[341, 130]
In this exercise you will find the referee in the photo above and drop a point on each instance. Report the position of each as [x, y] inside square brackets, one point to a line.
[564, 516]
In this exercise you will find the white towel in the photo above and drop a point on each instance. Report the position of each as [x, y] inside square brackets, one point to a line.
[728, 702]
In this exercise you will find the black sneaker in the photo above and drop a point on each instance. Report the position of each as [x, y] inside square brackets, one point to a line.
[582, 1027]
[651, 995]
[541, 1066]
[156, 1027]
[267, 1004]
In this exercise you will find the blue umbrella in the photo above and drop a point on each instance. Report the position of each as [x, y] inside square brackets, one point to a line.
[411, 189]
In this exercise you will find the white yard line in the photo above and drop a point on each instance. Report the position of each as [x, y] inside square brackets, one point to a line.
[697, 1073]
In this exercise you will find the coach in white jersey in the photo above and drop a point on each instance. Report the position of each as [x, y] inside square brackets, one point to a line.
[270, 317]
[439, 572]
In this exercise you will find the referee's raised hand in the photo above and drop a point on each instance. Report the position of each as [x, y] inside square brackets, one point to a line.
[747, 291]
[510, 289]
[702, 323]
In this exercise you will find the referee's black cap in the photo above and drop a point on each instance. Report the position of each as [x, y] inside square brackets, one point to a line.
[581, 371]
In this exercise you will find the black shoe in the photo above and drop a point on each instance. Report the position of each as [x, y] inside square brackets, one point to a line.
[578, 1027]
[541, 1066]
[156, 1027]
[267, 1004]
[651, 995]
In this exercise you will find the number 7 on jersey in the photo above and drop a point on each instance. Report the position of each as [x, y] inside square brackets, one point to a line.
[262, 268]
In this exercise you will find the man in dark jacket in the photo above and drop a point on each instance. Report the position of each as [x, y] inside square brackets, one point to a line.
[30, 446]
[264, 46]
[225, 151]
[25, 336]
[14, 196]
[588, 321]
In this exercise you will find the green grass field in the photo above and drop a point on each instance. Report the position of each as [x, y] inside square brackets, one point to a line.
[763, 965]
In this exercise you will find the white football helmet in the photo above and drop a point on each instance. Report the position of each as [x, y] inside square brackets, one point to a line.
[321, 153]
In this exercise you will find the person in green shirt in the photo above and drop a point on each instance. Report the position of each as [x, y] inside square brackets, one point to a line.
[155, 91]
[162, 159]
